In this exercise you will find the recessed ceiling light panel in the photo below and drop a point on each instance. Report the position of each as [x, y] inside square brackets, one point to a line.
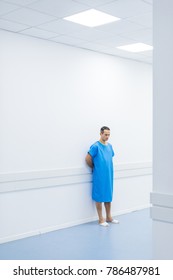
[138, 47]
[92, 18]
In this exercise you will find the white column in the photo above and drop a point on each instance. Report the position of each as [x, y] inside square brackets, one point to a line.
[162, 196]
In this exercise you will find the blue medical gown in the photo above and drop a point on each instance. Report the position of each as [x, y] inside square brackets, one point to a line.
[101, 154]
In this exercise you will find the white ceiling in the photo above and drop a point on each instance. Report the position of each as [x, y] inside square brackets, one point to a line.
[44, 19]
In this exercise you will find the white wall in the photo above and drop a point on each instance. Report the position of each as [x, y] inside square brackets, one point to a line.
[162, 196]
[54, 99]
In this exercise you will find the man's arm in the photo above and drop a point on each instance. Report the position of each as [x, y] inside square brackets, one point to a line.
[89, 160]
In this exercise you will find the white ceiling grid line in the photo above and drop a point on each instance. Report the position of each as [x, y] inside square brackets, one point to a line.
[45, 19]
[6, 8]
[20, 2]
[58, 8]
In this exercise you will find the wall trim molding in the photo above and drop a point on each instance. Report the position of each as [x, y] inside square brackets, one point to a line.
[66, 225]
[20, 181]
[162, 199]
[162, 207]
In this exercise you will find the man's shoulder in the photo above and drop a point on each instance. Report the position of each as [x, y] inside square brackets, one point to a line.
[95, 144]
[109, 144]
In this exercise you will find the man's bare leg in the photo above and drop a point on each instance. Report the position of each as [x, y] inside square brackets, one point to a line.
[99, 211]
[108, 211]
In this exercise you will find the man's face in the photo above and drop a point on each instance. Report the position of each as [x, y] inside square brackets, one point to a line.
[105, 135]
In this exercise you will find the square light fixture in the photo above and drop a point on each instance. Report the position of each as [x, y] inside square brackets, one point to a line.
[137, 47]
[92, 18]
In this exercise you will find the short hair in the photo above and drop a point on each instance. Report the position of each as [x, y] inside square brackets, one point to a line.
[104, 128]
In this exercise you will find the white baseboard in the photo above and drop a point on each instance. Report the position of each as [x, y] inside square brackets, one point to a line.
[162, 207]
[66, 225]
[130, 210]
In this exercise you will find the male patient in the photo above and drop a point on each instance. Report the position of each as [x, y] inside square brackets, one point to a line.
[99, 158]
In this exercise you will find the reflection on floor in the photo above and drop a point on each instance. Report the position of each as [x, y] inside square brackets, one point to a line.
[131, 239]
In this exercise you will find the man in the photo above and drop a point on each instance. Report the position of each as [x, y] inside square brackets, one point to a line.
[99, 158]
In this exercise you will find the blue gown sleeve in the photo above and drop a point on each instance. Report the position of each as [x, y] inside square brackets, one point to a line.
[93, 150]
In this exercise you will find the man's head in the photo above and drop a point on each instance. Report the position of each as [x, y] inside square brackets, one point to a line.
[104, 133]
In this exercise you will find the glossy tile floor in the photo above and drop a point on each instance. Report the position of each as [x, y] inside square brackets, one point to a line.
[131, 239]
